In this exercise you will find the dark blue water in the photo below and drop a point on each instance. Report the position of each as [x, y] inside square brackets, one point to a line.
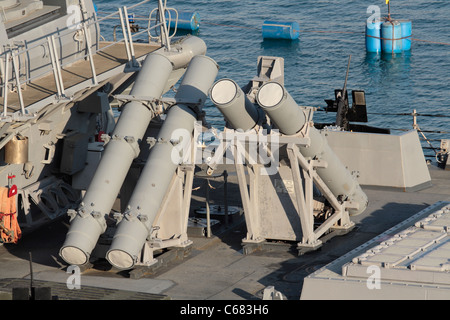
[316, 64]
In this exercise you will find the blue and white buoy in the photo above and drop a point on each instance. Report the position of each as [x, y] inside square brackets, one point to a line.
[186, 20]
[388, 36]
[406, 34]
[391, 37]
[280, 30]
[373, 35]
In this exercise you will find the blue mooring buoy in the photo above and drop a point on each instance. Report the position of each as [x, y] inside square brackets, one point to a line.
[373, 35]
[393, 36]
[406, 34]
[186, 20]
[280, 30]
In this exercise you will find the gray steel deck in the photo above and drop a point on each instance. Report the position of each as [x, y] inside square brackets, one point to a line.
[216, 267]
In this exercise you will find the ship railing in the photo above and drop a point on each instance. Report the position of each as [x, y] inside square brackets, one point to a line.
[9, 63]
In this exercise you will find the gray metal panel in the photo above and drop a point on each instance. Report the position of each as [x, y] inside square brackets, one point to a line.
[398, 160]
[412, 257]
[36, 25]
[278, 217]
[355, 289]
[74, 153]
[416, 256]
[82, 179]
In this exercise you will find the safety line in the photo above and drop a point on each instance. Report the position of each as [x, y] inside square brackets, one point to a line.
[400, 114]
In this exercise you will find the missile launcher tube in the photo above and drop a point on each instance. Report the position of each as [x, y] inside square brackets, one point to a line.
[184, 52]
[281, 108]
[89, 223]
[154, 181]
[290, 119]
[336, 176]
[231, 101]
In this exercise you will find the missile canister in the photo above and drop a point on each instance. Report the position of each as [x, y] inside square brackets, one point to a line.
[237, 109]
[160, 167]
[281, 108]
[290, 119]
[89, 222]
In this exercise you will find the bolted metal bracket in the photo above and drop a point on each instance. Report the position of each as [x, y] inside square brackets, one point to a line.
[96, 214]
[142, 218]
[72, 214]
[118, 217]
[151, 142]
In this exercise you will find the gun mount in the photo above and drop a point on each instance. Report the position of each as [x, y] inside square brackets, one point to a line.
[346, 114]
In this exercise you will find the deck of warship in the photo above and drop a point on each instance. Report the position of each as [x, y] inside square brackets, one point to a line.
[215, 267]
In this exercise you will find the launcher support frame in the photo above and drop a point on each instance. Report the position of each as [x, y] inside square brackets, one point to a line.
[304, 230]
[175, 208]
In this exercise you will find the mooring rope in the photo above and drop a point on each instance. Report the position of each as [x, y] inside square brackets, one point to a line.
[140, 17]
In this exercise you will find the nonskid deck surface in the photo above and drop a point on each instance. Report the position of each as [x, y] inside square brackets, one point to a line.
[60, 291]
[105, 60]
[216, 267]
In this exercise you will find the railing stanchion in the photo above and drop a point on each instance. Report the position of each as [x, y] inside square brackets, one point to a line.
[125, 38]
[5, 84]
[19, 89]
[130, 38]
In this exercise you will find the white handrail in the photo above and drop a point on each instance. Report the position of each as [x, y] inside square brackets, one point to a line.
[127, 23]
[170, 20]
[19, 89]
[125, 35]
[5, 84]
[57, 66]
[88, 43]
[49, 40]
[52, 60]
[161, 12]
[164, 31]
[91, 58]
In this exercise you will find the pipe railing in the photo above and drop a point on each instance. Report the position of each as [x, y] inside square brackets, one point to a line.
[10, 61]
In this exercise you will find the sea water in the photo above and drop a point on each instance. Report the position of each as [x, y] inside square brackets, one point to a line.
[315, 65]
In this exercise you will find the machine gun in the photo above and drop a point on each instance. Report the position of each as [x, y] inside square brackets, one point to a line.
[345, 113]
